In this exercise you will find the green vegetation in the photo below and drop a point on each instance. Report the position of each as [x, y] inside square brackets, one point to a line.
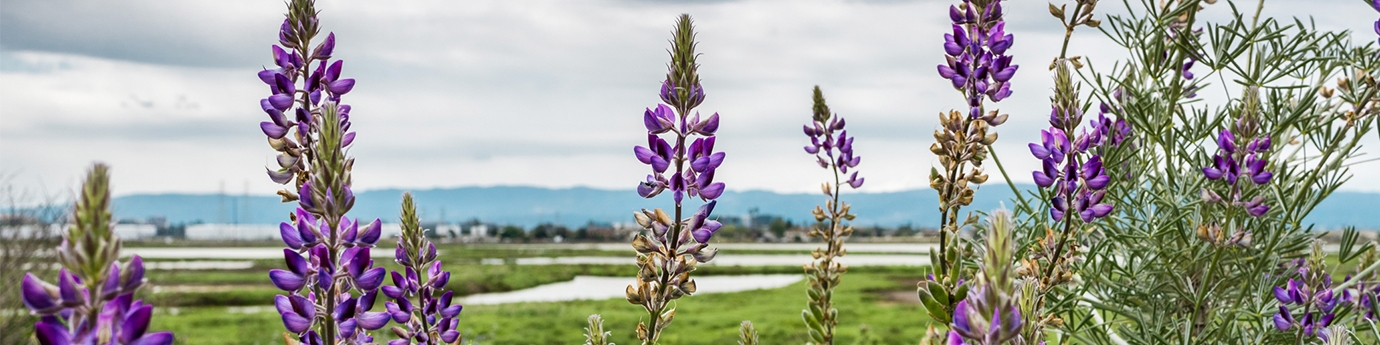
[702, 319]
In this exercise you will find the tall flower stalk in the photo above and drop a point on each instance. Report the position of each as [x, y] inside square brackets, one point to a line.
[93, 301]
[1242, 155]
[331, 289]
[1073, 177]
[429, 319]
[979, 69]
[673, 244]
[833, 148]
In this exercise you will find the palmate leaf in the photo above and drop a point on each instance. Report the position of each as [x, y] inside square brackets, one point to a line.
[1347, 250]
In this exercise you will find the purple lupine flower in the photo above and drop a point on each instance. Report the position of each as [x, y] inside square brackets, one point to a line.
[685, 165]
[681, 93]
[1073, 169]
[977, 64]
[831, 145]
[328, 267]
[430, 315]
[1376, 5]
[1310, 294]
[989, 314]
[93, 302]
[971, 323]
[1242, 154]
[1368, 296]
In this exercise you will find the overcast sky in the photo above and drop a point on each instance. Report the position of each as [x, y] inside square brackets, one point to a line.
[482, 93]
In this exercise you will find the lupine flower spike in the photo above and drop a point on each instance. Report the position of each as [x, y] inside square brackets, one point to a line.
[833, 148]
[1239, 169]
[426, 317]
[93, 301]
[977, 65]
[1309, 292]
[1072, 171]
[990, 316]
[1073, 176]
[672, 245]
[330, 280]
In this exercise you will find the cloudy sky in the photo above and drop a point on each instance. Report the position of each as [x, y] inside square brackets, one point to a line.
[482, 93]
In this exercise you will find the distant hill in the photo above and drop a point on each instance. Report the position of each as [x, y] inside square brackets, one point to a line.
[528, 206]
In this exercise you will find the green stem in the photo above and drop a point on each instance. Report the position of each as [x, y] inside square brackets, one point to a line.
[1019, 198]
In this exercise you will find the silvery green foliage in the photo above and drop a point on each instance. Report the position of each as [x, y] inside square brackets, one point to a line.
[1186, 256]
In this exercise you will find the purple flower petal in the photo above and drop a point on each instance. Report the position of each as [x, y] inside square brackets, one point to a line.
[341, 87]
[644, 154]
[371, 279]
[69, 293]
[1039, 151]
[652, 122]
[135, 275]
[955, 339]
[135, 324]
[52, 334]
[713, 191]
[961, 323]
[1283, 296]
[325, 49]
[372, 320]
[286, 281]
[1281, 323]
[280, 101]
[36, 295]
[158, 338]
[710, 125]
[450, 336]
[372, 233]
[273, 130]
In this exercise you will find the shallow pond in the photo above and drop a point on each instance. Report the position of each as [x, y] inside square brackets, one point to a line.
[597, 288]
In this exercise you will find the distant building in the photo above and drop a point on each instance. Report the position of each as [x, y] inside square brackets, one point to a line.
[135, 231]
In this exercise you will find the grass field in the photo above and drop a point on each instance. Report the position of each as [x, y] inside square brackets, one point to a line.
[700, 319]
[234, 306]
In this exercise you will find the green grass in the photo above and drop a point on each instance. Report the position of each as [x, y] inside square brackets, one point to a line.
[700, 319]
[252, 287]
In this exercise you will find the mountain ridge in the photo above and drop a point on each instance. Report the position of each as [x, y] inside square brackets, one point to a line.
[573, 206]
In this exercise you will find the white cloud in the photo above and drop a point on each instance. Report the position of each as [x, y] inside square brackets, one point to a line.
[500, 92]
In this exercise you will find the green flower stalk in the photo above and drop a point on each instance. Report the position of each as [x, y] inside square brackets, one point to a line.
[595, 333]
[990, 316]
[93, 301]
[89, 246]
[426, 317]
[827, 136]
[747, 335]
